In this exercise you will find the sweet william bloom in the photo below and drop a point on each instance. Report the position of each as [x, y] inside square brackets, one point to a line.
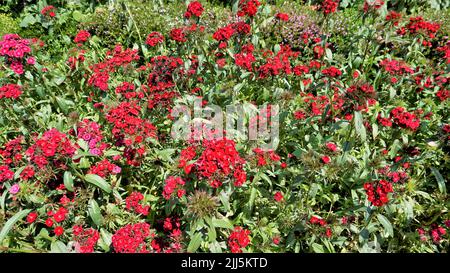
[31, 217]
[328, 233]
[276, 240]
[58, 231]
[154, 39]
[282, 16]
[331, 146]
[283, 165]
[278, 196]
[194, 9]
[325, 159]
[14, 189]
[31, 60]
[49, 222]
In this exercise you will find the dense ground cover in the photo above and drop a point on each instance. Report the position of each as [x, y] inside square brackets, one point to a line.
[88, 92]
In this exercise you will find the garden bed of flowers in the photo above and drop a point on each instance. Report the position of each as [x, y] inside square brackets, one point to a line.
[359, 91]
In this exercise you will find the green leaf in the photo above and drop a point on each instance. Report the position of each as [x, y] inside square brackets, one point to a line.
[10, 223]
[318, 248]
[212, 234]
[195, 242]
[28, 20]
[440, 179]
[106, 239]
[98, 181]
[68, 181]
[386, 224]
[78, 16]
[222, 223]
[359, 125]
[95, 213]
[58, 247]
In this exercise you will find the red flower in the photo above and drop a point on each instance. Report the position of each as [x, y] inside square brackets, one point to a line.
[172, 184]
[48, 11]
[154, 38]
[331, 146]
[276, 240]
[238, 239]
[58, 231]
[282, 16]
[194, 9]
[278, 196]
[31, 217]
[86, 238]
[325, 159]
[49, 222]
[329, 6]
[133, 203]
[178, 34]
[377, 192]
[223, 34]
[82, 36]
[131, 238]
[248, 7]
[10, 91]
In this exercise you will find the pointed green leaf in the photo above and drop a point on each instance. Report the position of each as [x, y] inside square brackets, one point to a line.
[98, 181]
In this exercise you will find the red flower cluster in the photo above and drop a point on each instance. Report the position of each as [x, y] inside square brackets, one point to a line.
[329, 6]
[172, 241]
[117, 58]
[178, 35]
[132, 238]
[238, 239]
[174, 183]
[377, 192]
[53, 145]
[332, 72]
[299, 70]
[15, 50]
[372, 5]
[194, 8]
[48, 11]
[10, 90]
[91, 133]
[278, 64]
[322, 223]
[104, 168]
[395, 67]
[218, 160]
[405, 119]
[82, 36]
[282, 16]
[128, 126]
[85, 239]
[436, 233]
[419, 25]
[133, 201]
[154, 39]
[248, 7]
[224, 33]
[161, 80]
[393, 17]
[5, 173]
[245, 58]
[78, 57]
[263, 156]
[361, 95]
[441, 94]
